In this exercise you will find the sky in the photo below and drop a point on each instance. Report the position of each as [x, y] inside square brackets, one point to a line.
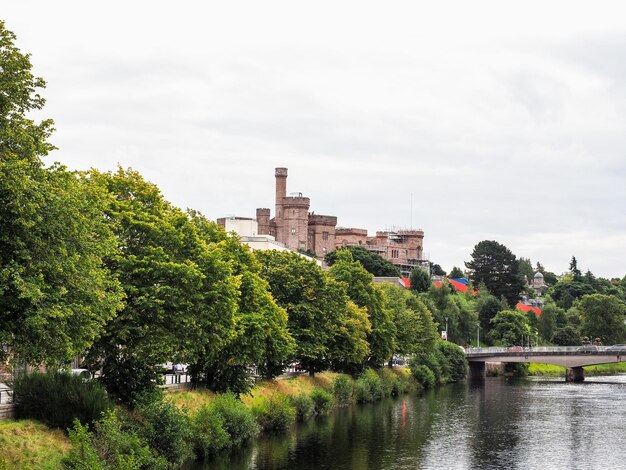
[472, 121]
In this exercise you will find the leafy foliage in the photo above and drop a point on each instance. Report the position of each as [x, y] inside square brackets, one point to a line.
[372, 262]
[363, 293]
[456, 273]
[419, 279]
[509, 326]
[497, 268]
[58, 398]
[602, 316]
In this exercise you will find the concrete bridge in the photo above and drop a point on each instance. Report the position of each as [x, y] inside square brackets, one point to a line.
[572, 357]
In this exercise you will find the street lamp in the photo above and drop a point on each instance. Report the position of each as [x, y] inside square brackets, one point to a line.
[478, 334]
[446, 328]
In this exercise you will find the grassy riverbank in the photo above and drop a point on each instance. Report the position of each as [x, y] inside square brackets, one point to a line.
[547, 370]
[31, 445]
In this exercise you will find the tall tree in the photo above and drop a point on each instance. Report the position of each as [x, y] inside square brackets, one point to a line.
[260, 337]
[158, 261]
[317, 306]
[55, 292]
[602, 316]
[363, 293]
[510, 327]
[573, 269]
[420, 279]
[456, 273]
[497, 267]
[416, 330]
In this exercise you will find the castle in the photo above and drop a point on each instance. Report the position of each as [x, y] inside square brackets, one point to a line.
[300, 230]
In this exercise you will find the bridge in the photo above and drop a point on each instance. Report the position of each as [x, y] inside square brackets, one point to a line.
[572, 357]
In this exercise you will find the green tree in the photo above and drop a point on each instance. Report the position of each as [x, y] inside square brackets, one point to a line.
[456, 273]
[526, 269]
[488, 307]
[163, 266]
[420, 280]
[566, 336]
[567, 291]
[494, 265]
[260, 336]
[509, 327]
[416, 330]
[55, 292]
[573, 269]
[372, 262]
[437, 270]
[551, 318]
[363, 293]
[317, 305]
[602, 316]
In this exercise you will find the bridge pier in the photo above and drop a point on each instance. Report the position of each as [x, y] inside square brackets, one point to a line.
[476, 370]
[574, 374]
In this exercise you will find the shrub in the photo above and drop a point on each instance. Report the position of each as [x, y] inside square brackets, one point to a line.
[322, 401]
[82, 455]
[58, 398]
[435, 361]
[239, 421]
[209, 434]
[343, 389]
[304, 406]
[111, 446]
[275, 413]
[424, 376]
[368, 387]
[456, 362]
[165, 428]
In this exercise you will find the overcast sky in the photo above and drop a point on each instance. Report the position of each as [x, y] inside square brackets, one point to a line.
[499, 122]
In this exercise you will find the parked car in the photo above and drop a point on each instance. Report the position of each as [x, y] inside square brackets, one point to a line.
[83, 373]
[180, 368]
[617, 348]
[587, 348]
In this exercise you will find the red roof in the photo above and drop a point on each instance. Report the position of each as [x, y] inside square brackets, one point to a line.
[457, 285]
[526, 308]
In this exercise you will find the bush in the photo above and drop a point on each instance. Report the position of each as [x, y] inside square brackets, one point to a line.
[343, 389]
[209, 435]
[165, 428]
[424, 376]
[239, 422]
[435, 361]
[82, 455]
[456, 362]
[275, 413]
[304, 406]
[322, 401]
[58, 398]
[368, 387]
[111, 446]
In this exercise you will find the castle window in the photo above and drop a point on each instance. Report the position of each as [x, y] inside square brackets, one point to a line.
[324, 235]
[293, 231]
[394, 253]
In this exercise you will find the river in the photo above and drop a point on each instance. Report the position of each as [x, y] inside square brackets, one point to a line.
[498, 423]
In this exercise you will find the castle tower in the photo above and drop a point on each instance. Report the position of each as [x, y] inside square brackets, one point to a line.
[281, 194]
[295, 222]
[263, 219]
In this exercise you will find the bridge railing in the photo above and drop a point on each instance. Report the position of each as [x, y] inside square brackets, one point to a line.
[547, 349]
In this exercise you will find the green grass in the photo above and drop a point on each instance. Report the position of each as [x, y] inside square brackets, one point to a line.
[548, 370]
[29, 445]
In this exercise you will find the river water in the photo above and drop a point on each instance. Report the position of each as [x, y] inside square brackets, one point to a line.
[497, 423]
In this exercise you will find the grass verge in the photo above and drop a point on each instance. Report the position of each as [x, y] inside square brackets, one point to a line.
[29, 445]
[548, 370]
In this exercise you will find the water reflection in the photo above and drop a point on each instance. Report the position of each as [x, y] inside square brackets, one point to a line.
[495, 423]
